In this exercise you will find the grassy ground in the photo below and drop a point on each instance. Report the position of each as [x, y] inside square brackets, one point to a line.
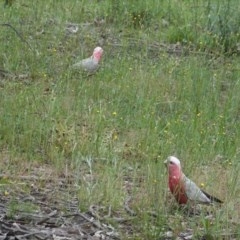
[168, 85]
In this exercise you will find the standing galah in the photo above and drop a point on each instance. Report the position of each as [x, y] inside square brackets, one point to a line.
[91, 64]
[183, 188]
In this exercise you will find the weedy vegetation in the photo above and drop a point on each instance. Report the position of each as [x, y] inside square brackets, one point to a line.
[168, 84]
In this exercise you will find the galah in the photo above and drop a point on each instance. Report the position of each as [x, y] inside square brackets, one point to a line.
[91, 64]
[183, 189]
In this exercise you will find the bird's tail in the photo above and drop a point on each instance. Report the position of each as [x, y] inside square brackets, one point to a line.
[213, 199]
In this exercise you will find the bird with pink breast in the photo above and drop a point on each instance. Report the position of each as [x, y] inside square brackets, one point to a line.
[183, 189]
[91, 64]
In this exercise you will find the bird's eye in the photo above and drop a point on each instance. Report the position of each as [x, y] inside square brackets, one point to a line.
[171, 162]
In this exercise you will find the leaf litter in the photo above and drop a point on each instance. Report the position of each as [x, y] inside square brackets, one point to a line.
[51, 211]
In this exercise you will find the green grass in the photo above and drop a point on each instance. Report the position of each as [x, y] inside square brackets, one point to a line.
[114, 129]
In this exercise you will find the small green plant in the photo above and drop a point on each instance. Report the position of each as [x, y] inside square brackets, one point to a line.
[222, 25]
[16, 208]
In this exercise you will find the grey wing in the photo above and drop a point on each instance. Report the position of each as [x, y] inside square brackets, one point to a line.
[81, 63]
[87, 64]
[194, 193]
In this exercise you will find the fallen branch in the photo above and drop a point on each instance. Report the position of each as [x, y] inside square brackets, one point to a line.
[127, 208]
[18, 34]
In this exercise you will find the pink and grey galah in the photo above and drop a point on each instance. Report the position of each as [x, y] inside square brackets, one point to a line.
[183, 189]
[91, 64]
